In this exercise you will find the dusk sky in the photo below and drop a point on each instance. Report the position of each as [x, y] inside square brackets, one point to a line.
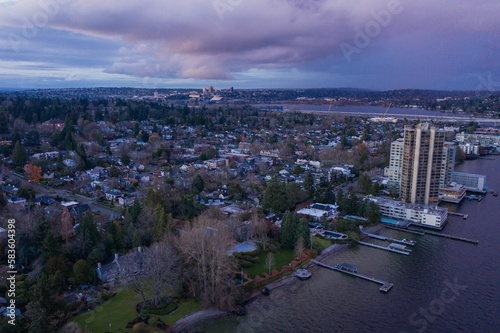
[374, 44]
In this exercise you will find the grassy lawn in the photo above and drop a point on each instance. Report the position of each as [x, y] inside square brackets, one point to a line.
[185, 307]
[281, 258]
[120, 310]
[321, 243]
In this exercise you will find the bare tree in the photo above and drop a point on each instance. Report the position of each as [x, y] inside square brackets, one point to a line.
[204, 247]
[153, 270]
[270, 261]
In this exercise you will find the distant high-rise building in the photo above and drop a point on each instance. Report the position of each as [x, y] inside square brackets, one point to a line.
[447, 164]
[421, 165]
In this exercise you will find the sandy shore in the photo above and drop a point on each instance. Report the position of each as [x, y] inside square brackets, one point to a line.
[196, 317]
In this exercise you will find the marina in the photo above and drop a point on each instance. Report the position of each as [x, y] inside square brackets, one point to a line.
[393, 247]
[415, 232]
[352, 270]
[388, 239]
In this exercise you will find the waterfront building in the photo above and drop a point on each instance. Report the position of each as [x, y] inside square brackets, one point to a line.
[472, 182]
[453, 193]
[479, 139]
[433, 217]
[421, 164]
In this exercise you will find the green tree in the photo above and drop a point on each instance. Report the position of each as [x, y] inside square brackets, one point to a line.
[19, 155]
[297, 170]
[309, 184]
[87, 235]
[302, 232]
[3, 200]
[50, 246]
[83, 273]
[114, 172]
[32, 138]
[145, 136]
[287, 233]
[274, 196]
[125, 159]
[162, 223]
[198, 184]
[136, 129]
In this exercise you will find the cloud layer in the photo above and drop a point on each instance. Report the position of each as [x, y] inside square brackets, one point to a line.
[234, 39]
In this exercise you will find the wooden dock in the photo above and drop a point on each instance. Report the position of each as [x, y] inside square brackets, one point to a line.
[463, 239]
[386, 248]
[388, 239]
[386, 286]
[464, 216]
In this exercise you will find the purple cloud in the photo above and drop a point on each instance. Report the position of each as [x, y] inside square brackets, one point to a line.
[197, 39]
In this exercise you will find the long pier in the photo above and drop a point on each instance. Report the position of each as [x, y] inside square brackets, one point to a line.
[464, 216]
[386, 286]
[386, 248]
[415, 232]
[463, 239]
[388, 239]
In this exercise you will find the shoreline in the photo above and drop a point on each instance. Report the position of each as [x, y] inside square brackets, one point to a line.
[198, 317]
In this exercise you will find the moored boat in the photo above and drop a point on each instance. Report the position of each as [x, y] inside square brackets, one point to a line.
[302, 274]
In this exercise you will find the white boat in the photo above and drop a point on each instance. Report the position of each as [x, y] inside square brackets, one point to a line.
[302, 274]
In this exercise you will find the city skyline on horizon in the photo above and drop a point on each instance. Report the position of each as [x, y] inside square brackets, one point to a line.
[377, 45]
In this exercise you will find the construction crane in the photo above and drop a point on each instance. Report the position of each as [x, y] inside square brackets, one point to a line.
[384, 119]
[387, 110]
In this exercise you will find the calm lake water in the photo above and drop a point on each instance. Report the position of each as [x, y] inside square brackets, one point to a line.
[372, 110]
[442, 286]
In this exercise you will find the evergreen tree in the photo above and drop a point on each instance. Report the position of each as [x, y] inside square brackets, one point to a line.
[87, 235]
[50, 246]
[302, 231]
[136, 129]
[160, 223]
[198, 184]
[19, 155]
[309, 184]
[288, 233]
[274, 197]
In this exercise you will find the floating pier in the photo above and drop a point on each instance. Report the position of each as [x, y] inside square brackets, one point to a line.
[390, 248]
[415, 232]
[464, 216]
[351, 270]
[388, 239]
[463, 239]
